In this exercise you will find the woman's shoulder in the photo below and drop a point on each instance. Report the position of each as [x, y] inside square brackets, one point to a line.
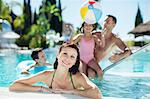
[81, 79]
[80, 76]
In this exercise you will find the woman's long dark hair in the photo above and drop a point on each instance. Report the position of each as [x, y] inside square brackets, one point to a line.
[75, 68]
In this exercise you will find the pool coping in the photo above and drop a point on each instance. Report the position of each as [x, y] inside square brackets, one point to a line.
[6, 94]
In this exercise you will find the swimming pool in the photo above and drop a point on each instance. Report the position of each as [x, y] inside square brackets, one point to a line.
[129, 79]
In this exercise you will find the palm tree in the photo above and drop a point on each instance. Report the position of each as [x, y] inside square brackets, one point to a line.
[5, 12]
[139, 18]
[53, 14]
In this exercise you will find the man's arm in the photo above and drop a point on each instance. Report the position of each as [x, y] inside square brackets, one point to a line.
[48, 64]
[27, 70]
[125, 51]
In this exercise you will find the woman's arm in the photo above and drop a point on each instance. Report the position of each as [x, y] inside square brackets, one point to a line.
[87, 88]
[26, 84]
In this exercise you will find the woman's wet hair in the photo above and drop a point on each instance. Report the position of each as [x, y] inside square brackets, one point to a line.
[94, 27]
[35, 53]
[75, 68]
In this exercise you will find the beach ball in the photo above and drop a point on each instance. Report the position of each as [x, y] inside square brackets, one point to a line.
[91, 12]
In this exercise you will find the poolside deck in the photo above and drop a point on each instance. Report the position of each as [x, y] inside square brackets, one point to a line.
[6, 94]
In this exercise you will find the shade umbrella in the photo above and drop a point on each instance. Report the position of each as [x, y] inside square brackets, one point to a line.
[142, 29]
[6, 26]
[142, 38]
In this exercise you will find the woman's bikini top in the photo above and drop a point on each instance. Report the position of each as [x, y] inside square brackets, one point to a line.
[70, 78]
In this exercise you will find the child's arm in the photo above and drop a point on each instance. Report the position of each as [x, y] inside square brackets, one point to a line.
[76, 39]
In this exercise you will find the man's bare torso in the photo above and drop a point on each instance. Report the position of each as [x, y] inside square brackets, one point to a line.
[101, 53]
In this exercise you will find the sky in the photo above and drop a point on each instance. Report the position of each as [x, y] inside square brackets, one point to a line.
[124, 10]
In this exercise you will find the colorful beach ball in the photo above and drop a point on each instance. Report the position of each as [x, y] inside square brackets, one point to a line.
[91, 12]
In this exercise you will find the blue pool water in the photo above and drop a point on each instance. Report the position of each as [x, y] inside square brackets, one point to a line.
[130, 79]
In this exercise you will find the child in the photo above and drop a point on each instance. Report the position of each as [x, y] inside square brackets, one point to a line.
[87, 43]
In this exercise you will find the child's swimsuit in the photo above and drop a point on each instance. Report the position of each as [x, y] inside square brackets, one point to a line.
[86, 48]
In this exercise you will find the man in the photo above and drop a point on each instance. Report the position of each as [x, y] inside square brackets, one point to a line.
[40, 60]
[110, 40]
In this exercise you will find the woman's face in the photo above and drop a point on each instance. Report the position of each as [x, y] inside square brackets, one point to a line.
[88, 28]
[67, 57]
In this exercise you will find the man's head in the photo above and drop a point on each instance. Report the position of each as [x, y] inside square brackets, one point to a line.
[110, 22]
[38, 55]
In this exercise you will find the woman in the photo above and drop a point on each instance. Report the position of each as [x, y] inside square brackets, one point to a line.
[65, 78]
[87, 43]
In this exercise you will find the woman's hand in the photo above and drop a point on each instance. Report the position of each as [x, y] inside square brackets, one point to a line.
[61, 91]
[55, 91]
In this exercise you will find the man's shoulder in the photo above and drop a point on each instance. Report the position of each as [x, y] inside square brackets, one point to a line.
[115, 37]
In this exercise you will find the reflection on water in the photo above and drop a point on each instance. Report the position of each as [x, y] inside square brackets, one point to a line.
[123, 87]
[129, 78]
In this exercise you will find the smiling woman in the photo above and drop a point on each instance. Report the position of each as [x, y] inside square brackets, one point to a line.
[67, 58]
[66, 77]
